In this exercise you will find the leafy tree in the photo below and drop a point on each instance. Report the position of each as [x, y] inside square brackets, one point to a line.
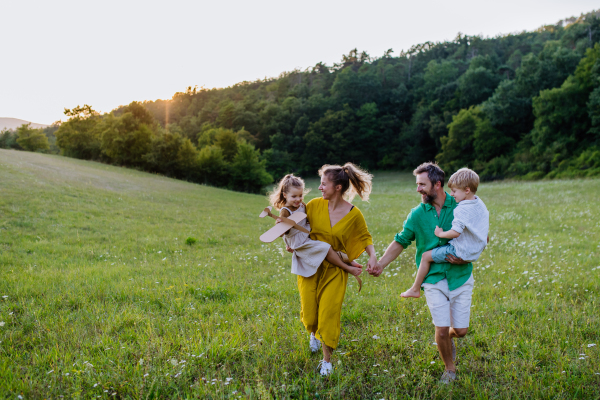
[79, 136]
[8, 140]
[163, 155]
[279, 163]
[31, 139]
[187, 160]
[476, 85]
[489, 143]
[128, 138]
[227, 140]
[248, 173]
[213, 169]
[457, 147]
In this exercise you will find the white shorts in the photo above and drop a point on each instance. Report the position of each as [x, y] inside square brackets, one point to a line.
[449, 308]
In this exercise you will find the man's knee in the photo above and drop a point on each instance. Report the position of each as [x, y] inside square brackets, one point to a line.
[442, 331]
[460, 332]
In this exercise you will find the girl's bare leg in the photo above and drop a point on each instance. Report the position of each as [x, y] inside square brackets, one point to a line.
[335, 259]
[415, 290]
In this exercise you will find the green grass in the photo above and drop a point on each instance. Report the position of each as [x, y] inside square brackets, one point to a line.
[103, 296]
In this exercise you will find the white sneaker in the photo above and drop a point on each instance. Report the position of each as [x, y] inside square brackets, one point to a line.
[314, 343]
[326, 368]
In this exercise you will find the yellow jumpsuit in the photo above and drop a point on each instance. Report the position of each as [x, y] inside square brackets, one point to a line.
[322, 295]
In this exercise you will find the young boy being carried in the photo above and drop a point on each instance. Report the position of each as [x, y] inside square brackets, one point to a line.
[469, 231]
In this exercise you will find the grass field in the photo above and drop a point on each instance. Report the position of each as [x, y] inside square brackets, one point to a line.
[100, 296]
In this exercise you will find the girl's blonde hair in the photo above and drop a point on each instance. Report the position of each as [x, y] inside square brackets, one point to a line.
[354, 180]
[285, 184]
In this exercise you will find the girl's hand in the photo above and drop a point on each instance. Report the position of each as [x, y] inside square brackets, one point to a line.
[289, 249]
[278, 220]
[355, 264]
[354, 271]
[438, 231]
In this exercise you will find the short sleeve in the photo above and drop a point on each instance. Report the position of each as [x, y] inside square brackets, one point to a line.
[359, 238]
[407, 236]
[363, 231]
[310, 207]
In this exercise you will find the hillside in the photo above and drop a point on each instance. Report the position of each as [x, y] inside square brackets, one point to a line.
[100, 295]
[14, 123]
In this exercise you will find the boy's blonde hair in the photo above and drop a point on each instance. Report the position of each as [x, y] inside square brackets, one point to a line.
[464, 178]
[285, 184]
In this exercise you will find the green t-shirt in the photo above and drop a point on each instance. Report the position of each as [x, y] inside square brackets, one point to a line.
[420, 226]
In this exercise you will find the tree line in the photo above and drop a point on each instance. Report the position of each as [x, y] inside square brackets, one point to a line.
[523, 105]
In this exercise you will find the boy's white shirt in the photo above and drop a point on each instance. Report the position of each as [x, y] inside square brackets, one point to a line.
[472, 221]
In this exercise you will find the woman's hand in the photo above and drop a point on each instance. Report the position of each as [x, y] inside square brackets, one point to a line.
[355, 264]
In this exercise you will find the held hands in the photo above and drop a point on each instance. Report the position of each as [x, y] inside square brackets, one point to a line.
[373, 267]
[438, 231]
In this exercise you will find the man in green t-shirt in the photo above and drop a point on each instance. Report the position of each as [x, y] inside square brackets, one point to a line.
[448, 286]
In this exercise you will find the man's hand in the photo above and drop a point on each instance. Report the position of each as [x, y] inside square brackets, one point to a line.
[372, 263]
[289, 249]
[455, 260]
[438, 231]
[375, 270]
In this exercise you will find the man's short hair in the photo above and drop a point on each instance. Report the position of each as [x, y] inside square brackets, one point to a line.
[464, 178]
[434, 172]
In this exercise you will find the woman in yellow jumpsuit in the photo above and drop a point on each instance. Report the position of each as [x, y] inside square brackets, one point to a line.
[335, 221]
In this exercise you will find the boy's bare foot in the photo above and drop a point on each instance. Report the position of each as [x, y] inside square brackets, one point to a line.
[354, 271]
[411, 293]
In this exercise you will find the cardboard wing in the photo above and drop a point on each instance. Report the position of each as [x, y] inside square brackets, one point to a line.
[283, 226]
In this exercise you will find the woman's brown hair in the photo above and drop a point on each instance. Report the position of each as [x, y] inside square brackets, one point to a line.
[354, 180]
[285, 184]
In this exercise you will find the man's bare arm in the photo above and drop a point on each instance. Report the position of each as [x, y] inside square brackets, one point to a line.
[391, 253]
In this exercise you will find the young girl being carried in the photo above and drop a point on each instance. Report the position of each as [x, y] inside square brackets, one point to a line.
[308, 254]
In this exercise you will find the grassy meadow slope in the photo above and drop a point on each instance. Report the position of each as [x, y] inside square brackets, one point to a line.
[100, 296]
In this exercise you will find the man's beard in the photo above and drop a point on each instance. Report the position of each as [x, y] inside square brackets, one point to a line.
[430, 197]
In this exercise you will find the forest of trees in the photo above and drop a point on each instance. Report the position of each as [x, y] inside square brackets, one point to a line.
[522, 106]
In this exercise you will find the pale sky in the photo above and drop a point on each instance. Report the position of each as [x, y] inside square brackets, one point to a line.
[57, 54]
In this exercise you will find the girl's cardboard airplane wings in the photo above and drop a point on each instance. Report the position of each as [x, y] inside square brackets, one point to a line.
[283, 226]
